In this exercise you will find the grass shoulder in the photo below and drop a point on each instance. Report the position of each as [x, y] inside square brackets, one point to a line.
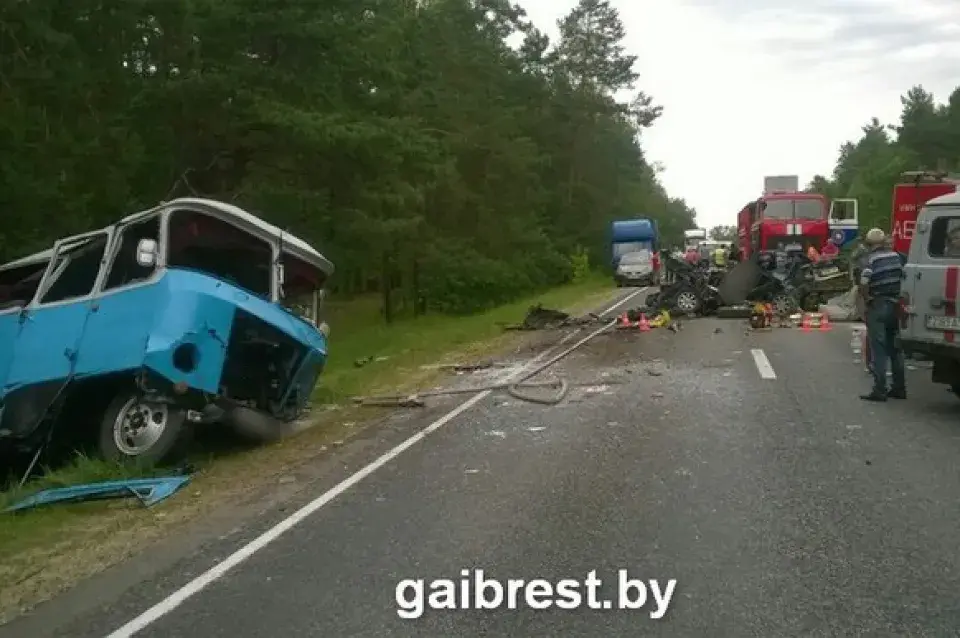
[47, 550]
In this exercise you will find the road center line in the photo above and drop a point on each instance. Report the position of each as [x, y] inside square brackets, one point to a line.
[219, 570]
[763, 364]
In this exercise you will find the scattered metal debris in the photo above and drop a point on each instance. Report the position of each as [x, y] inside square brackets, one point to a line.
[148, 491]
[540, 318]
[514, 388]
[465, 367]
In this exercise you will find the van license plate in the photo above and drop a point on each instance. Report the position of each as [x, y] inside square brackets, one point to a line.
[943, 323]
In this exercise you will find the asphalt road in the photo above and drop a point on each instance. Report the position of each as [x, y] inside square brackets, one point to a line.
[782, 506]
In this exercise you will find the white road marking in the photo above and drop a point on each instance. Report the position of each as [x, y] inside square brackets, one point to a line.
[763, 364]
[199, 583]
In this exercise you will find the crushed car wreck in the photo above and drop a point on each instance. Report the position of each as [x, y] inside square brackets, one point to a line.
[181, 314]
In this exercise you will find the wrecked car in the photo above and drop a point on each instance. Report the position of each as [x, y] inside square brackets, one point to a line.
[174, 316]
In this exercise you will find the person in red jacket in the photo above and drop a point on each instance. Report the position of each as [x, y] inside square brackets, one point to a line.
[830, 250]
[692, 256]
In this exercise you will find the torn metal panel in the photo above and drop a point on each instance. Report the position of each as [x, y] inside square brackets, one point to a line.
[148, 491]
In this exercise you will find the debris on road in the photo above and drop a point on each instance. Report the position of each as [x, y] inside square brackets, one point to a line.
[540, 318]
[514, 388]
[466, 367]
[148, 491]
[637, 319]
[842, 307]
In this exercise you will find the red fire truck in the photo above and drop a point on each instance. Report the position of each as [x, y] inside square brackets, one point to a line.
[783, 218]
[915, 190]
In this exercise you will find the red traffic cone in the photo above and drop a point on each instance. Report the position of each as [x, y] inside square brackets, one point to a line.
[825, 323]
[624, 320]
[805, 326]
[643, 325]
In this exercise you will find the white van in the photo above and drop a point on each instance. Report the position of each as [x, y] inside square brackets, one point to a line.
[930, 321]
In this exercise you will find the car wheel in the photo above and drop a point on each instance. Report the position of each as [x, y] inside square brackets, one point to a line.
[784, 304]
[687, 302]
[134, 430]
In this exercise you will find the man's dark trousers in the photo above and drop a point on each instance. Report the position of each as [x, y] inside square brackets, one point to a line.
[883, 332]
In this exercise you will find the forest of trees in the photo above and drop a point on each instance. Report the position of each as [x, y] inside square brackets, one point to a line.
[441, 149]
[926, 138]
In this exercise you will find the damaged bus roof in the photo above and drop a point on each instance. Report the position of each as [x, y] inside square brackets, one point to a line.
[248, 222]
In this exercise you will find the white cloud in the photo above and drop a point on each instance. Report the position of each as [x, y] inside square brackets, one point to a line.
[767, 87]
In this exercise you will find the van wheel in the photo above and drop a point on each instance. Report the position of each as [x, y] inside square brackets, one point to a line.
[136, 430]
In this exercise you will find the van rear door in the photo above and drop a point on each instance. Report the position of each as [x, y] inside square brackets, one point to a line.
[932, 277]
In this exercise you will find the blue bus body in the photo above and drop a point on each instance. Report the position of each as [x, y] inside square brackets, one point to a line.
[178, 339]
[141, 328]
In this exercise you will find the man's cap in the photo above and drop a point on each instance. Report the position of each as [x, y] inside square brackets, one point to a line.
[875, 237]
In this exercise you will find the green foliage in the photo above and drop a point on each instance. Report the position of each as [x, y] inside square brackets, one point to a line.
[723, 233]
[427, 158]
[580, 264]
[926, 138]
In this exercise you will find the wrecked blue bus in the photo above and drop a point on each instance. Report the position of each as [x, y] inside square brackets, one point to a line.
[175, 316]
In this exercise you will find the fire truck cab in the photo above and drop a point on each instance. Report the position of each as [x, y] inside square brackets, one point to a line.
[785, 219]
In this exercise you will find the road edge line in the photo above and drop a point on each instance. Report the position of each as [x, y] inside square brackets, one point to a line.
[201, 582]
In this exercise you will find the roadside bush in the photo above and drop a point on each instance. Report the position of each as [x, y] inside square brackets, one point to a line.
[464, 281]
[580, 264]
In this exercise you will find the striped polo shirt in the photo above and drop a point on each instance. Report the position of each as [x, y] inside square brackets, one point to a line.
[882, 274]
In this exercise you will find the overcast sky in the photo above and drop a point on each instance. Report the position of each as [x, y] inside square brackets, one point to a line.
[772, 87]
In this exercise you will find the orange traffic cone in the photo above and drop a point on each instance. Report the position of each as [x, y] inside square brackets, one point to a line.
[805, 326]
[825, 323]
[643, 325]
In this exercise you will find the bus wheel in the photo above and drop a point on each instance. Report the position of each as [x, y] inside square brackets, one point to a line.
[135, 430]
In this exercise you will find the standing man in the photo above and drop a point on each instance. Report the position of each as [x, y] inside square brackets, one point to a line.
[720, 257]
[880, 284]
